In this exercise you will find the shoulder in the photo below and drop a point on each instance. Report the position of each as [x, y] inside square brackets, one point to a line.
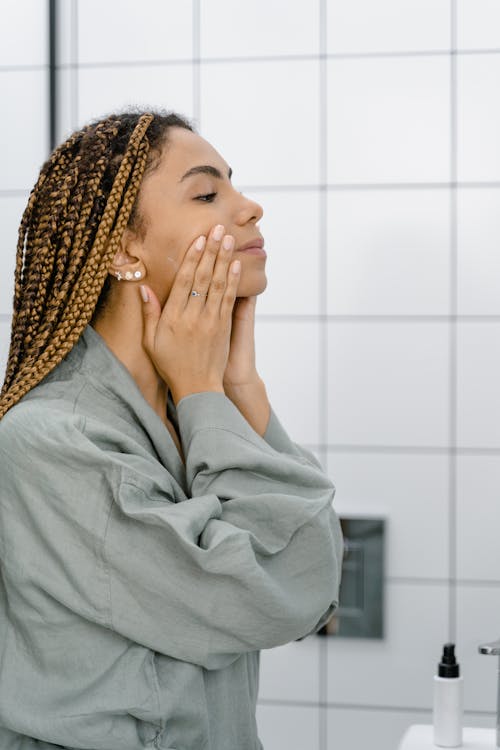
[41, 416]
[41, 433]
[48, 459]
[44, 430]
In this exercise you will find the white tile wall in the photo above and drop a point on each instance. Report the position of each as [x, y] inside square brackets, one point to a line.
[388, 119]
[478, 518]
[486, 720]
[4, 347]
[11, 210]
[264, 116]
[478, 259]
[290, 227]
[374, 672]
[293, 386]
[379, 111]
[383, 730]
[355, 729]
[23, 33]
[478, 618]
[67, 32]
[478, 24]
[133, 31]
[387, 25]
[67, 86]
[388, 252]
[105, 90]
[263, 29]
[478, 117]
[388, 383]
[478, 375]
[290, 727]
[290, 672]
[411, 492]
[24, 127]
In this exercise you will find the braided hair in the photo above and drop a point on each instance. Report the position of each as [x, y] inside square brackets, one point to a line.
[84, 198]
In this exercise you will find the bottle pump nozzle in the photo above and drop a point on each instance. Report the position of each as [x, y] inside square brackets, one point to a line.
[448, 666]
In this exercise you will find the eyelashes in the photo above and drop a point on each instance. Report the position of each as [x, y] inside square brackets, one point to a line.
[207, 198]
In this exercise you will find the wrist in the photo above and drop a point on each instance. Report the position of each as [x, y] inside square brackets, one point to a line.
[252, 401]
[251, 385]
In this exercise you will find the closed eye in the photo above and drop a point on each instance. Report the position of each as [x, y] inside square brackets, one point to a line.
[207, 198]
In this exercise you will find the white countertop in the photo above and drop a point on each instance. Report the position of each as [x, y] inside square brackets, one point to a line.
[421, 736]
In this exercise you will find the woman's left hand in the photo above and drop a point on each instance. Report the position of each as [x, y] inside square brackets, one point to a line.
[240, 369]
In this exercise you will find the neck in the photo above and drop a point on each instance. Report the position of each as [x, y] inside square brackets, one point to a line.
[121, 327]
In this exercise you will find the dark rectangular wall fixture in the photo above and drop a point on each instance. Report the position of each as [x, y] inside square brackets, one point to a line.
[361, 607]
[52, 73]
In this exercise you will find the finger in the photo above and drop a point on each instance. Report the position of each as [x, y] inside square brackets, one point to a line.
[219, 278]
[233, 278]
[183, 280]
[204, 272]
[151, 311]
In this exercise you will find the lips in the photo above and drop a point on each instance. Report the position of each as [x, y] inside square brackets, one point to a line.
[257, 243]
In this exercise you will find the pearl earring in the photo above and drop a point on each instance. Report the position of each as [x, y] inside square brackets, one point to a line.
[129, 275]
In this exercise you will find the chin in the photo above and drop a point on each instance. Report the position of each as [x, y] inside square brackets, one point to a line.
[251, 284]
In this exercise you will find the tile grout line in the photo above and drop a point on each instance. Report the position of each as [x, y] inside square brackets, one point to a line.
[52, 87]
[363, 706]
[196, 63]
[36, 67]
[75, 67]
[312, 57]
[323, 333]
[453, 335]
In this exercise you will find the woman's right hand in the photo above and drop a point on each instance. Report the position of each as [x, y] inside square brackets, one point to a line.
[188, 340]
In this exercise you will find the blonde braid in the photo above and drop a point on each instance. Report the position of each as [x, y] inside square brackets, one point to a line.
[22, 312]
[40, 343]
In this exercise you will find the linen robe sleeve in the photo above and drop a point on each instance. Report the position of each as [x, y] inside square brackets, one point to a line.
[250, 559]
[278, 439]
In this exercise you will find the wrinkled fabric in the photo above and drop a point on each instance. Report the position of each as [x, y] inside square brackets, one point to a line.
[136, 592]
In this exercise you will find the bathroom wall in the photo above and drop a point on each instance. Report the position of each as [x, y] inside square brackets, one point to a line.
[369, 131]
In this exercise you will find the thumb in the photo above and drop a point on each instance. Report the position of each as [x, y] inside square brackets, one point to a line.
[151, 311]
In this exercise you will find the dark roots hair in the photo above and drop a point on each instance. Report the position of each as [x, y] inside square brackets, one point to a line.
[84, 198]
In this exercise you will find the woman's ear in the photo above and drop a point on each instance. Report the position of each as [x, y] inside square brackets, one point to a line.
[125, 264]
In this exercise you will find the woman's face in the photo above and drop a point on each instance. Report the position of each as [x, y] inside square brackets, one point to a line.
[176, 208]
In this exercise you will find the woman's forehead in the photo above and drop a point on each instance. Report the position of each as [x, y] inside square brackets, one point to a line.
[185, 150]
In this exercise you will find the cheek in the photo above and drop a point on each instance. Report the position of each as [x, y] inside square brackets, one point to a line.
[171, 235]
[165, 252]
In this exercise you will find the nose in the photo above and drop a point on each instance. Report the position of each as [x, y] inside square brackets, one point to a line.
[249, 210]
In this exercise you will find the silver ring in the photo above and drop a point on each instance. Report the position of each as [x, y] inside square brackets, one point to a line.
[197, 294]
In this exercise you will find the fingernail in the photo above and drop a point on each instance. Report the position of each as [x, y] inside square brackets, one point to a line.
[200, 242]
[228, 242]
[144, 292]
[236, 266]
[218, 232]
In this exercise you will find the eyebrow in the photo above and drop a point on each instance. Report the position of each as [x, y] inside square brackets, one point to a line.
[206, 169]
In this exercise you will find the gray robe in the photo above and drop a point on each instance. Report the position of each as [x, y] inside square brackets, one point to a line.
[136, 591]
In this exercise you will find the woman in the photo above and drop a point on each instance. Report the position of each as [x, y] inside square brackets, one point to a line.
[158, 525]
